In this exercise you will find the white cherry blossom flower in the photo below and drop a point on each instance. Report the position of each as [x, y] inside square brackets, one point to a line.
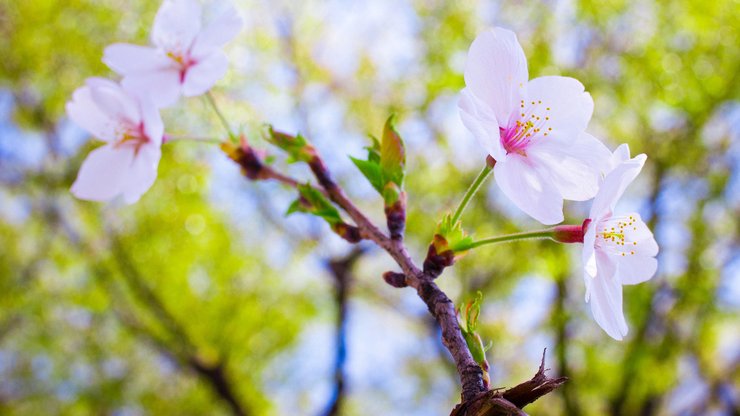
[617, 249]
[132, 129]
[535, 130]
[186, 59]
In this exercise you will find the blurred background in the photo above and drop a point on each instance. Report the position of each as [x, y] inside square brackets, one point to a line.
[204, 299]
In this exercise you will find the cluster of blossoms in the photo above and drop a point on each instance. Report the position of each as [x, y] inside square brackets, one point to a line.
[186, 59]
[535, 132]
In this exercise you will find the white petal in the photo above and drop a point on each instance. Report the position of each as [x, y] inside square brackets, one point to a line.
[112, 100]
[561, 103]
[606, 307]
[528, 190]
[103, 173]
[142, 173]
[125, 58]
[86, 114]
[614, 186]
[221, 30]
[621, 154]
[496, 72]
[176, 25]
[163, 87]
[200, 77]
[481, 121]
[588, 255]
[572, 164]
[635, 269]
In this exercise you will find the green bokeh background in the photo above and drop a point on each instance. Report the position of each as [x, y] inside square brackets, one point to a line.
[112, 309]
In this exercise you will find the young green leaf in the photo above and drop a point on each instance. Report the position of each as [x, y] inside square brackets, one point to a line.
[392, 154]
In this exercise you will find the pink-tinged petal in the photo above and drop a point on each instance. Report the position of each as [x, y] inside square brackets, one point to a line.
[606, 306]
[614, 186]
[163, 87]
[203, 75]
[561, 104]
[534, 194]
[496, 72]
[222, 29]
[480, 120]
[572, 164]
[85, 113]
[112, 100]
[176, 25]
[635, 269]
[142, 173]
[153, 125]
[103, 173]
[126, 59]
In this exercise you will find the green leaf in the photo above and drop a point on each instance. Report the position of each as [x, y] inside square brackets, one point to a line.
[371, 171]
[312, 201]
[457, 240]
[392, 154]
[297, 147]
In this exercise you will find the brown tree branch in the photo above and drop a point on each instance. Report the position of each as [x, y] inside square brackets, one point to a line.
[476, 400]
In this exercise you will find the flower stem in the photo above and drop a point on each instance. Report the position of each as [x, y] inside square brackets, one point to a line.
[539, 234]
[471, 192]
[169, 139]
[220, 115]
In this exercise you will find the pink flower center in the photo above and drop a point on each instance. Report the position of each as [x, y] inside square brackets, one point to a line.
[133, 135]
[184, 61]
[524, 126]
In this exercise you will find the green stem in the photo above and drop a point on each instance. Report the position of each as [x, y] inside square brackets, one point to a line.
[220, 115]
[471, 192]
[192, 139]
[539, 234]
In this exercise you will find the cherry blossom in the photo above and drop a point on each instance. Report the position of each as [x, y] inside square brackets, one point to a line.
[535, 130]
[186, 59]
[132, 129]
[617, 249]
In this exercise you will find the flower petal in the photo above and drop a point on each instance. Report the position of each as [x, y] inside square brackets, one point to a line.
[528, 189]
[176, 25]
[162, 87]
[86, 114]
[125, 58]
[103, 173]
[112, 100]
[614, 186]
[496, 72]
[632, 270]
[200, 77]
[572, 164]
[142, 173]
[222, 29]
[481, 121]
[561, 103]
[606, 306]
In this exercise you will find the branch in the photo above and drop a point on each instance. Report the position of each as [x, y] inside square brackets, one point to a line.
[511, 401]
[474, 395]
[341, 270]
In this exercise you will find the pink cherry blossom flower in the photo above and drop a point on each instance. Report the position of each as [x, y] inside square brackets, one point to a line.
[535, 130]
[617, 249]
[186, 59]
[132, 129]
